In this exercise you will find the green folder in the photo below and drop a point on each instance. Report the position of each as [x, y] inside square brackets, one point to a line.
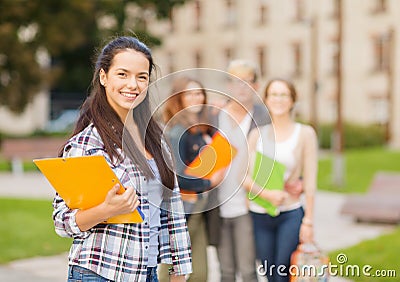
[269, 174]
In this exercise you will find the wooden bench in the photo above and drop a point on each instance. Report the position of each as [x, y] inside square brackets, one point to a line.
[26, 149]
[380, 204]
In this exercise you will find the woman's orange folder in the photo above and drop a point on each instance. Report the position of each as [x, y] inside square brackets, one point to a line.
[214, 156]
[83, 182]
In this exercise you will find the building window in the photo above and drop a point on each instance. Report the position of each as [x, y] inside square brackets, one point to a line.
[297, 59]
[262, 60]
[334, 52]
[170, 62]
[381, 52]
[262, 14]
[197, 16]
[379, 109]
[299, 10]
[198, 59]
[331, 106]
[379, 7]
[335, 63]
[171, 20]
[228, 55]
[335, 8]
[230, 14]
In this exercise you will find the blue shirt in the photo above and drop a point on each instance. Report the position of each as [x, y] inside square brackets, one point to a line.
[153, 186]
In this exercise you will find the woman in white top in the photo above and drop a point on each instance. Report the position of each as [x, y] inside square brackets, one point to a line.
[295, 146]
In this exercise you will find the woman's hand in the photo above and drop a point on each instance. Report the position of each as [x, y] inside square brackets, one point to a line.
[124, 203]
[306, 233]
[294, 188]
[217, 177]
[114, 204]
[177, 278]
[276, 197]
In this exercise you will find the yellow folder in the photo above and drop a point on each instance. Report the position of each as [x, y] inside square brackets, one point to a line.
[83, 182]
[214, 156]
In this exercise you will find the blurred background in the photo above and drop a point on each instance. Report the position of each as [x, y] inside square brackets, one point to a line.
[342, 55]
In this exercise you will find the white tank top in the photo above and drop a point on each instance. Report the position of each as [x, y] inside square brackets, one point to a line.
[283, 152]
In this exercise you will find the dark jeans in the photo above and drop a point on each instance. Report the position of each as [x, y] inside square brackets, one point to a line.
[77, 273]
[276, 238]
[152, 274]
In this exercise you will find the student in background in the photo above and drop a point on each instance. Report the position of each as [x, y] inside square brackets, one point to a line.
[240, 115]
[295, 146]
[124, 252]
[188, 128]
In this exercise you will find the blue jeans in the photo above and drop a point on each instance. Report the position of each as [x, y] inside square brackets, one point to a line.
[152, 274]
[77, 273]
[276, 238]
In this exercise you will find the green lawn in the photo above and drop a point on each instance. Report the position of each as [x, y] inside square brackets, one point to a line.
[27, 230]
[361, 165]
[381, 253]
[28, 166]
[5, 165]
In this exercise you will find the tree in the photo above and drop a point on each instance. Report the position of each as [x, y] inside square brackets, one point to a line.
[69, 31]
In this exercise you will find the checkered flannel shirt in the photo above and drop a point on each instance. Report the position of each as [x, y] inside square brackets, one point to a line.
[119, 252]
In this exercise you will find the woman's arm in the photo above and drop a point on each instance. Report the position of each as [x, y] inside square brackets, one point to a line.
[114, 204]
[175, 246]
[177, 278]
[310, 169]
[74, 222]
[64, 220]
[248, 183]
[276, 197]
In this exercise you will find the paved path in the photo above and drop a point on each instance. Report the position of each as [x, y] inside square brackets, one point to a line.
[332, 231]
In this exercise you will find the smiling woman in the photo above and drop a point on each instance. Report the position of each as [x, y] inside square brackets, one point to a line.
[277, 235]
[119, 95]
[126, 81]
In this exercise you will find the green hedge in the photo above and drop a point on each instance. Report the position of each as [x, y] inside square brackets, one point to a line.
[355, 136]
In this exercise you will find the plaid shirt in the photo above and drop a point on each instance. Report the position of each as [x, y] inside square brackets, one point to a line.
[119, 252]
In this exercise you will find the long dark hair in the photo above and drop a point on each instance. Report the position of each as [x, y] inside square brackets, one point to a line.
[98, 111]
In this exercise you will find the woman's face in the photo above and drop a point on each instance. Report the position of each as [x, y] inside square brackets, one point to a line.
[126, 81]
[278, 100]
[193, 97]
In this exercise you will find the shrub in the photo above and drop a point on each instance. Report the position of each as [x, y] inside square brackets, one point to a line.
[355, 136]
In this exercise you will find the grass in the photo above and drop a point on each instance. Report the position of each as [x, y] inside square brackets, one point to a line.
[27, 230]
[361, 166]
[5, 165]
[381, 254]
[30, 166]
